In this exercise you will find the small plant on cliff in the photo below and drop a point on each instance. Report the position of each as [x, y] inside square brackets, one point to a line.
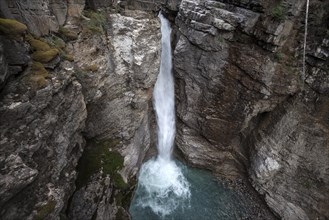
[91, 68]
[278, 12]
[278, 56]
[37, 78]
[67, 34]
[100, 157]
[45, 210]
[45, 56]
[12, 27]
[96, 22]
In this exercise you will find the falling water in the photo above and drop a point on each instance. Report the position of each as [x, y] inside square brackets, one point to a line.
[164, 103]
[162, 184]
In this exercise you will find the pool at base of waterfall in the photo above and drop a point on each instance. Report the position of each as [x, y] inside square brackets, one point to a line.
[208, 199]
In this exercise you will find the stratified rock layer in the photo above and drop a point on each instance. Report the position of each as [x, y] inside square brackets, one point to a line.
[234, 62]
[48, 115]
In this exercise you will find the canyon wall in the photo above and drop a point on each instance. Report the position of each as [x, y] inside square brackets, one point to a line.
[243, 107]
[242, 104]
[76, 116]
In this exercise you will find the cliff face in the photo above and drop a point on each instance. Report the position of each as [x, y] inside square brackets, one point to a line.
[242, 105]
[75, 126]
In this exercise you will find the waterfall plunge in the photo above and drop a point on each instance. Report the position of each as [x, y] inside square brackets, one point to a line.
[164, 186]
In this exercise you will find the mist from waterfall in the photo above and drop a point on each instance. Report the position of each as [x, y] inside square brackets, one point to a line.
[161, 181]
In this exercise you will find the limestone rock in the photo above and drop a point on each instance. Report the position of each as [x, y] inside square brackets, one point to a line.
[14, 177]
[289, 159]
[41, 16]
[235, 61]
[41, 143]
[222, 83]
[118, 96]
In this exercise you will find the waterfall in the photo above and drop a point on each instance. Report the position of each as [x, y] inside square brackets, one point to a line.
[164, 96]
[161, 180]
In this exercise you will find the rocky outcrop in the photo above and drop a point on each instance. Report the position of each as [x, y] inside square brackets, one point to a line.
[289, 158]
[14, 56]
[240, 105]
[118, 98]
[97, 107]
[226, 75]
[42, 17]
[234, 62]
[41, 143]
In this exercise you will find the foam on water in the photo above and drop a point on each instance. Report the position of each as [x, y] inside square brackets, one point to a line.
[163, 185]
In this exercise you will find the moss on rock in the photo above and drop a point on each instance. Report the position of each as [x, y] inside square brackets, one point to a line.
[57, 42]
[12, 27]
[38, 45]
[45, 210]
[45, 56]
[37, 78]
[68, 57]
[91, 68]
[67, 34]
[96, 23]
[101, 156]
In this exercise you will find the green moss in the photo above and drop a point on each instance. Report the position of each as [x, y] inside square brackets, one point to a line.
[68, 57]
[45, 210]
[45, 56]
[307, 184]
[38, 45]
[68, 34]
[12, 27]
[278, 12]
[278, 56]
[96, 23]
[221, 39]
[37, 78]
[38, 69]
[57, 42]
[91, 68]
[99, 156]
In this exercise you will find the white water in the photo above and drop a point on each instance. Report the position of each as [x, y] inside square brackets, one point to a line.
[165, 188]
[164, 96]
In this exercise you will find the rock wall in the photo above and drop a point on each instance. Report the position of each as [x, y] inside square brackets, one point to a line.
[41, 143]
[42, 17]
[227, 74]
[77, 125]
[240, 104]
[119, 104]
[72, 139]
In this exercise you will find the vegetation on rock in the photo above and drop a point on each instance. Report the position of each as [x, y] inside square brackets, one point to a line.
[91, 68]
[278, 12]
[68, 34]
[37, 77]
[45, 210]
[96, 22]
[101, 157]
[45, 56]
[12, 27]
[38, 45]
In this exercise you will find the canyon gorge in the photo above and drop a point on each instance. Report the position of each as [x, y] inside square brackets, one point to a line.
[76, 113]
